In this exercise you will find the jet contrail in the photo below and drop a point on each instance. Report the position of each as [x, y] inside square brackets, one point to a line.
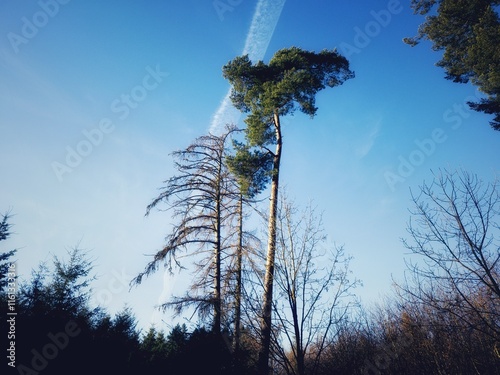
[264, 21]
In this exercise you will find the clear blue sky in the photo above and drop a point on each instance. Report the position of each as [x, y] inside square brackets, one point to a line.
[95, 95]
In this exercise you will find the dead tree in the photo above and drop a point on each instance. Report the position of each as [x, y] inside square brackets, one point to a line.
[196, 197]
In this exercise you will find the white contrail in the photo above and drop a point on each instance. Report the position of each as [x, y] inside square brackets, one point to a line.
[264, 21]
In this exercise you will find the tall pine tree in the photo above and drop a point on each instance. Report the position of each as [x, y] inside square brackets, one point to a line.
[267, 92]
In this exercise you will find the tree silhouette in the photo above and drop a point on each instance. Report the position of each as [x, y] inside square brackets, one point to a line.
[314, 289]
[454, 234]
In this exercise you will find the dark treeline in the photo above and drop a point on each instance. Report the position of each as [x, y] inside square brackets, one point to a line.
[444, 318]
[56, 331]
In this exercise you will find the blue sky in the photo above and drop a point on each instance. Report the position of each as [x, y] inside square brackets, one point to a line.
[94, 96]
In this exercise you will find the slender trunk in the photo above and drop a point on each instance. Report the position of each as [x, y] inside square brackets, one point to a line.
[217, 264]
[299, 352]
[300, 361]
[239, 262]
[271, 250]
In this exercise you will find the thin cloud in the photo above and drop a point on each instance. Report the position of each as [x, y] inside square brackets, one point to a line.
[225, 114]
[264, 21]
[367, 141]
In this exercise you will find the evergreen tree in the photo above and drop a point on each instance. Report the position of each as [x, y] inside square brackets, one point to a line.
[268, 92]
[468, 32]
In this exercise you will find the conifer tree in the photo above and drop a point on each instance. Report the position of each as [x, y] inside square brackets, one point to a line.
[267, 92]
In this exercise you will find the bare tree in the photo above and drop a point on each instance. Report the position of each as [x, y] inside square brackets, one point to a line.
[314, 290]
[455, 232]
[197, 197]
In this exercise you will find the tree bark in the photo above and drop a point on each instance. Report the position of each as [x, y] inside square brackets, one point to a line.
[239, 262]
[217, 262]
[271, 251]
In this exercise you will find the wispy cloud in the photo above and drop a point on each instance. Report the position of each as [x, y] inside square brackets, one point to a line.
[367, 140]
[262, 28]
[264, 21]
[225, 114]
